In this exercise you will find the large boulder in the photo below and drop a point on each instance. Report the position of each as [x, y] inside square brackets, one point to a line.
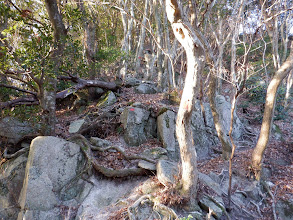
[51, 177]
[224, 108]
[137, 123]
[131, 82]
[13, 130]
[146, 88]
[11, 180]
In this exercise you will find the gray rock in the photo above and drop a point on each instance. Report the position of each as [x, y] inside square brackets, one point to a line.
[52, 164]
[252, 191]
[131, 82]
[239, 198]
[215, 177]
[144, 211]
[166, 129]
[208, 181]
[155, 153]
[149, 186]
[75, 126]
[41, 215]
[104, 193]
[13, 130]
[285, 209]
[167, 172]
[107, 99]
[11, 179]
[224, 108]
[217, 207]
[146, 88]
[204, 135]
[135, 122]
[147, 165]
[203, 128]
[151, 127]
[100, 142]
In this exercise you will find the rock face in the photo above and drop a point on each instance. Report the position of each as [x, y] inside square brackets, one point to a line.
[13, 130]
[203, 128]
[166, 130]
[52, 166]
[137, 124]
[203, 132]
[11, 180]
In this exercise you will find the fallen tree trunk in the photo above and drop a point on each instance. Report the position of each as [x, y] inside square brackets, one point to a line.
[81, 84]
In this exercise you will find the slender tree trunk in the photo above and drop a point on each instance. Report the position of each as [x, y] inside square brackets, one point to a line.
[195, 63]
[288, 88]
[140, 46]
[158, 12]
[226, 145]
[263, 139]
[48, 92]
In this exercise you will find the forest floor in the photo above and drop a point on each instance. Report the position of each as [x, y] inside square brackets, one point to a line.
[278, 156]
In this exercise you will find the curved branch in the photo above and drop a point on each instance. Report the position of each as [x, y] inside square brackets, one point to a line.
[18, 89]
[19, 101]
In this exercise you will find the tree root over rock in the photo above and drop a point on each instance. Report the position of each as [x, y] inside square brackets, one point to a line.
[87, 148]
[159, 208]
[16, 154]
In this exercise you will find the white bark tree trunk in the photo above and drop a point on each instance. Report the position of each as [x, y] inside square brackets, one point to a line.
[140, 46]
[264, 136]
[195, 63]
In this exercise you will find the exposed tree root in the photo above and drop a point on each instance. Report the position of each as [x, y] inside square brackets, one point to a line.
[159, 208]
[16, 154]
[267, 188]
[121, 150]
[108, 172]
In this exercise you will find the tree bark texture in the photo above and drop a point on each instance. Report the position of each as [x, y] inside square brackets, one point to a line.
[47, 92]
[271, 95]
[195, 63]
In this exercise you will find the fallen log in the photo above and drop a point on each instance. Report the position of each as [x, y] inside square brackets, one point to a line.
[81, 83]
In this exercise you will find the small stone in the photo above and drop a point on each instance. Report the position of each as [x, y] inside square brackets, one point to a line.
[167, 172]
[217, 207]
[147, 165]
[76, 125]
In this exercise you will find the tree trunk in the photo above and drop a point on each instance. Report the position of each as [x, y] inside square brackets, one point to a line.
[226, 145]
[160, 33]
[47, 94]
[140, 46]
[263, 139]
[288, 88]
[195, 63]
